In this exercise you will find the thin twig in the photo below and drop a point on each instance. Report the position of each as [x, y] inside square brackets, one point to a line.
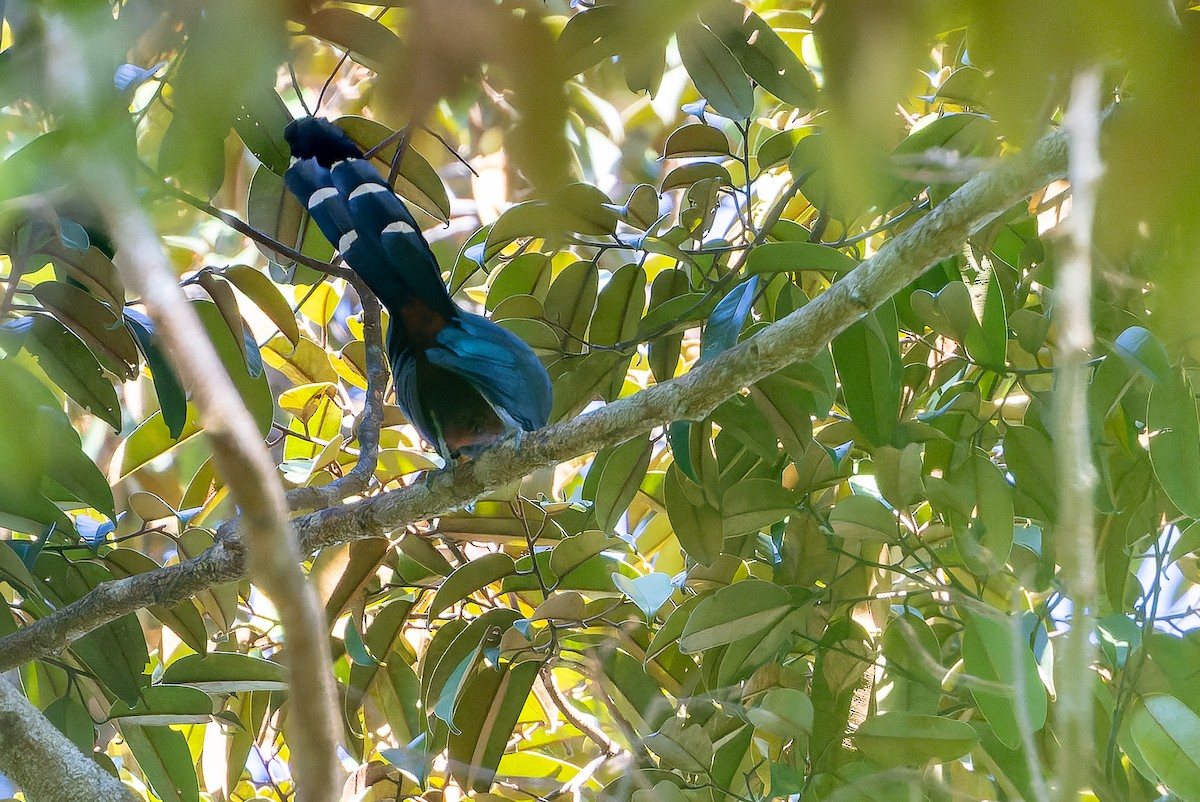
[358, 478]
[249, 231]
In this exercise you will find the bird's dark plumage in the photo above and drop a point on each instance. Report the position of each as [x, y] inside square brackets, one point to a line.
[463, 381]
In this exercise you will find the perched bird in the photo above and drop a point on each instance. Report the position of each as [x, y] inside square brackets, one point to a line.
[463, 381]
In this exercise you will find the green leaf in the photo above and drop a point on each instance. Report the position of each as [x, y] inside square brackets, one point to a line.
[94, 270]
[254, 391]
[368, 41]
[668, 634]
[740, 659]
[668, 286]
[727, 319]
[966, 85]
[648, 592]
[73, 235]
[172, 402]
[738, 611]
[452, 655]
[663, 791]
[990, 653]
[688, 174]
[1167, 733]
[864, 518]
[194, 155]
[71, 718]
[259, 123]
[306, 363]
[164, 757]
[67, 361]
[572, 552]
[266, 296]
[68, 466]
[94, 323]
[777, 148]
[486, 726]
[274, 211]
[987, 342]
[641, 210]
[355, 648]
[985, 538]
[526, 275]
[914, 667]
[715, 71]
[696, 139]
[898, 473]
[382, 639]
[619, 307]
[791, 257]
[868, 365]
[1143, 352]
[784, 712]
[681, 746]
[898, 739]
[754, 504]
[570, 301]
[226, 672]
[469, 578]
[160, 705]
[152, 438]
[1029, 456]
[615, 475]
[222, 296]
[762, 53]
[697, 526]
[949, 311]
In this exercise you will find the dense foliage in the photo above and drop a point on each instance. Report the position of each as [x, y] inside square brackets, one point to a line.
[846, 583]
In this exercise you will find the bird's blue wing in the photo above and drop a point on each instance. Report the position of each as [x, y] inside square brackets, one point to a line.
[404, 378]
[500, 365]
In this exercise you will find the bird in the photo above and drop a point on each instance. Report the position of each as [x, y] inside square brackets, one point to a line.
[461, 380]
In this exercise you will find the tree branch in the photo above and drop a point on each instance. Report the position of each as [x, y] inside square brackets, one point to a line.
[1072, 441]
[239, 454]
[247, 470]
[44, 763]
[797, 337]
[359, 477]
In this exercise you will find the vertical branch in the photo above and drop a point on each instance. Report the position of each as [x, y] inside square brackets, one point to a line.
[247, 470]
[358, 478]
[1072, 442]
[239, 454]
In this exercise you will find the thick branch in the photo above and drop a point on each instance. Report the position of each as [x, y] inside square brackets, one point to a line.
[247, 470]
[1072, 441]
[239, 454]
[799, 336]
[47, 766]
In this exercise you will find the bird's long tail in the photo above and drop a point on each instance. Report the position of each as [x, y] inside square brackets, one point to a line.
[359, 213]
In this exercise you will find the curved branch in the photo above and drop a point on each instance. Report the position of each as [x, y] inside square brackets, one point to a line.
[357, 478]
[239, 454]
[247, 470]
[797, 337]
